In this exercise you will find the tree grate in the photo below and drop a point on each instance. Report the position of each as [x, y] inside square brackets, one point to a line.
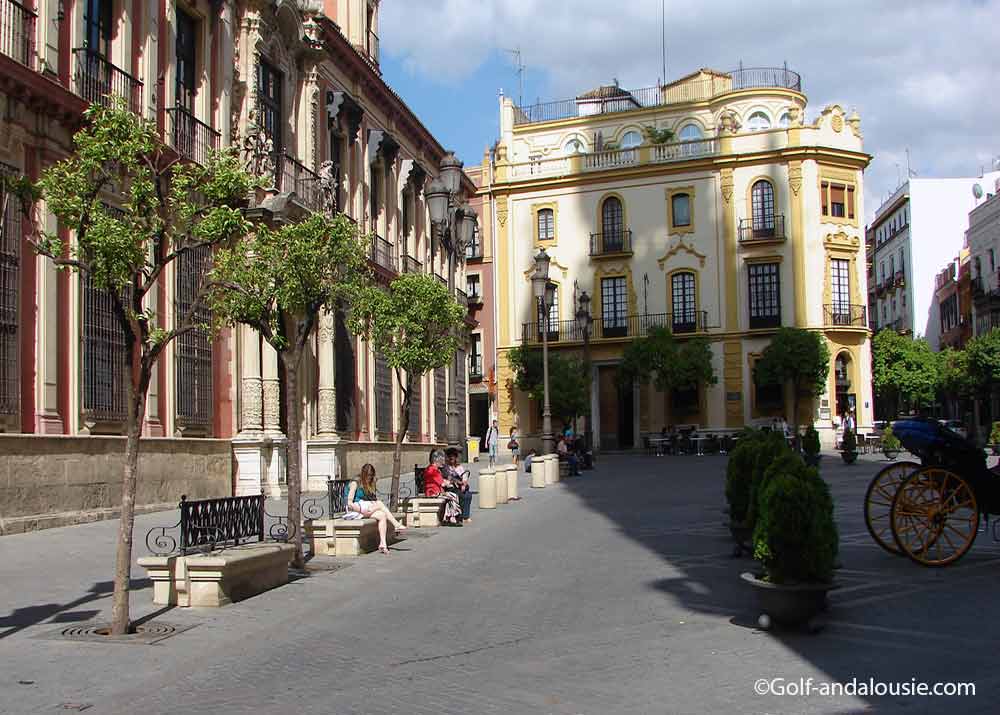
[143, 634]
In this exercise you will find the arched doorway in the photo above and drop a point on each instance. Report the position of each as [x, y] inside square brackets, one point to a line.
[846, 398]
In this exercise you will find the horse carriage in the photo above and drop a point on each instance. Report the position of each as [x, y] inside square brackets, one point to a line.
[930, 511]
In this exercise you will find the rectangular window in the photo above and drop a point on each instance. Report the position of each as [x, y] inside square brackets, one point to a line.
[383, 395]
[840, 292]
[680, 210]
[684, 304]
[476, 357]
[614, 307]
[186, 56]
[345, 378]
[765, 295]
[824, 194]
[193, 363]
[837, 201]
[97, 27]
[374, 189]
[553, 319]
[336, 156]
[472, 287]
[766, 397]
[406, 198]
[105, 368]
[461, 390]
[440, 404]
[414, 428]
[546, 225]
[10, 277]
[269, 90]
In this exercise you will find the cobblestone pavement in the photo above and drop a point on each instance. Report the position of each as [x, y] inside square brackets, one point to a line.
[615, 592]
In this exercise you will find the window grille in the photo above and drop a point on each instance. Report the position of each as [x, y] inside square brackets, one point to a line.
[383, 395]
[683, 294]
[194, 348]
[10, 276]
[105, 356]
[344, 373]
[765, 295]
[460, 385]
[414, 429]
[440, 403]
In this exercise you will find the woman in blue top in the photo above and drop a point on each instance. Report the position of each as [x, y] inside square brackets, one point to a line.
[363, 503]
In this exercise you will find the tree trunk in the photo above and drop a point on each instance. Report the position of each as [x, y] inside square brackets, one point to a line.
[123, 560]
[397, 455]
[293, 459]
[795, 417]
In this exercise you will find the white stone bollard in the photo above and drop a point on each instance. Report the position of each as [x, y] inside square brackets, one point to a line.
[487, 489]
[501, 482]
[512, 483]
[551, 468]
[537, 472]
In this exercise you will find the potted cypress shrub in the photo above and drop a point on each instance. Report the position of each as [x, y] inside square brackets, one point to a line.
[810, 446]
[849, 447]
[796, 542]
[891, 445]
[739, 480]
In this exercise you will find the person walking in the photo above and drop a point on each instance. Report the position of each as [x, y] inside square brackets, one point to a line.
[493, 442]
[514, 445]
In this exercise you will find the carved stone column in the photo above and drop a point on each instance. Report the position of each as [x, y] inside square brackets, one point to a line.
[327, 392]
[251, 416]
[271, 390]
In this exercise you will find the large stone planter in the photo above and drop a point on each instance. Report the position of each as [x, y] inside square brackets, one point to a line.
[789, 605]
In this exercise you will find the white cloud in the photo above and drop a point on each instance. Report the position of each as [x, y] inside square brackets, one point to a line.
[921, 72]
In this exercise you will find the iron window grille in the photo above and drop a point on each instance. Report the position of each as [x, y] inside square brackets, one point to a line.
[193, 361]
[440, 403]
[765, 295]
[414, 429]
[10, 276]
[383, 395]
[460, 390]
[105, 356]
[682, 287]
[345, 379]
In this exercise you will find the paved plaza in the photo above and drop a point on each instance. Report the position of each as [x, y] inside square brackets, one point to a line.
[611, 593]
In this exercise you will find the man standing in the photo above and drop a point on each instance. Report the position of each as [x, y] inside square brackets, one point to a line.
[493, 442]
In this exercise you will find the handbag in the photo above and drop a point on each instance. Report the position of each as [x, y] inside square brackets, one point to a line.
[512, 444]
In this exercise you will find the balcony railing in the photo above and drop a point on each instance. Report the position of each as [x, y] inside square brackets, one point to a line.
[844, 315]
[602, 244]
[462, 298]
[474, 250]
[372, 47]
[475, 368]
[625, 326]
[17, 32]
[293, 177]
[900, 278]
[475, 298]
[192, 138]
[615, 158]
[412, 265]
[681, 151]
[383, 253]
[769, 229]
[444, 281]
[97, 80]
[692, 91]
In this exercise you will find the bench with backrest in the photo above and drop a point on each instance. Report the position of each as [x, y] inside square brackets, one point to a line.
[420, 510]
[338, 536]
[222, 554]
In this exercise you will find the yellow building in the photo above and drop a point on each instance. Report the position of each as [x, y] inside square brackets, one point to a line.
[740, 218]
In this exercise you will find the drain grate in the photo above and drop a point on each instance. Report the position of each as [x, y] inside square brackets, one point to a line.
[144, 633]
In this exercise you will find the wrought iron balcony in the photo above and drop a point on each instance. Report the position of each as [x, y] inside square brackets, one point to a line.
[613, 327]
[444, 281]
[383, 253]
[475, 368]
[475, 298]
[844, 315]
[614, 243]
[97, 80]
[462, 298]
[293, 177]
[412, 265]
[474, 251]
[192, 138]
[900, 278]
[17, 32]
[768, 229]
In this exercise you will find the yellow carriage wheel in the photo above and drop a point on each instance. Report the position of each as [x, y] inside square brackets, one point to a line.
[935, 517]
[878, 503]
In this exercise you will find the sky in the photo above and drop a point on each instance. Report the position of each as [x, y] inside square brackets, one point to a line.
[924, 76]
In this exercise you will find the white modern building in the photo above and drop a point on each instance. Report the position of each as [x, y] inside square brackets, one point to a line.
[983, 241]
[918, 229]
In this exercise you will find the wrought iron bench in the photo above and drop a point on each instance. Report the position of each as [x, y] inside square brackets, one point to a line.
[223, 552]
[420, 510]
[337, 536]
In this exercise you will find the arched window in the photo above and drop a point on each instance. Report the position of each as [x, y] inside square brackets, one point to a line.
[575, 146]
[546, 225]
[682, 293]
[689, 133]
[785, 121]
[758, 121]
[762, 200]
[612, 223]
[631, 139]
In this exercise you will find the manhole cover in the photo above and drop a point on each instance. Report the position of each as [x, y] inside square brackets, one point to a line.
[143, 634]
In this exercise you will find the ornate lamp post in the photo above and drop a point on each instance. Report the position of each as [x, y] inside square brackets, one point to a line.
[584, 320]
[544, 293]
[455, 223]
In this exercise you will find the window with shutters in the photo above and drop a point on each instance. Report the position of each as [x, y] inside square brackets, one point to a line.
[10, 276]
[383, 395]
[765, 295]
[837, 200]
[194, 347]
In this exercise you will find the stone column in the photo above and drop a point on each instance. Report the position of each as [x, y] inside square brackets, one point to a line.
[270, 389]
[251, 409]
[327, 391]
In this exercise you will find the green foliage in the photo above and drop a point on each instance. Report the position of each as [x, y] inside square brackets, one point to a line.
[798, 356]
[995, 433]
[954, 378]
[569, 386]
[657, 136]
[904, 369]
[984, 359]
[850, 442]
[795, 537]
[889, 440]
[416, 323]
[669, 363]
[739, 474]
[810, 442]
[772, 446]
[279, 279]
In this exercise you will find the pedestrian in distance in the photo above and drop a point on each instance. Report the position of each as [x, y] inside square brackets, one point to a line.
[513, 445]
[493, 442]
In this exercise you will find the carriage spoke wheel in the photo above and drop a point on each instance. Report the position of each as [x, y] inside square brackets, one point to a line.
[878, 503]
[934, 517]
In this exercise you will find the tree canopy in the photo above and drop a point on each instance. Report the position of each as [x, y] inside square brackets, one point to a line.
[984, 359]
[795, 357]
[667, 362]
[569, 384]
[904, 370]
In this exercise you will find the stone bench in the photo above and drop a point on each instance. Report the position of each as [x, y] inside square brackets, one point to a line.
[422, 512]
[345, 537]
[218, 578]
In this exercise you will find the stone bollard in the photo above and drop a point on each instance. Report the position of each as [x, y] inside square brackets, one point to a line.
[487, 489]
[501, 482]
[537, 472]
[512, 483]
[551, 468]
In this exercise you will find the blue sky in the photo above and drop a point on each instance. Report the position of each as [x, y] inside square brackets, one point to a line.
[921, 73]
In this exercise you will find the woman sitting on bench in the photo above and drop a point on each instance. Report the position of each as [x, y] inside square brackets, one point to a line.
[435, 484]
[363, 503]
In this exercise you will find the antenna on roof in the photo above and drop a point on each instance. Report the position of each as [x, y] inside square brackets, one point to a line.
[519, 65]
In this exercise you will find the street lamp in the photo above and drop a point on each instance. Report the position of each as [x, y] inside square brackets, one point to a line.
[455, 223]
[584, 320]
[544, 293]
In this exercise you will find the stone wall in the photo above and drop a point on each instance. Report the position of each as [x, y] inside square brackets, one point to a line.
[48, 481]
[379, 455]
